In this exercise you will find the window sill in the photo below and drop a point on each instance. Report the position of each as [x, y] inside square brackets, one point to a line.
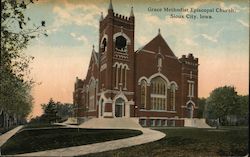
[157, 111]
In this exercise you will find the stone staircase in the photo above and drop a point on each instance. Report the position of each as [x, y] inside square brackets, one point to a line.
[121, 123]
[196, 122]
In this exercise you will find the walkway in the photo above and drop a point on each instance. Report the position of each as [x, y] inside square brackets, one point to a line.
[7, 135]
[147, 136]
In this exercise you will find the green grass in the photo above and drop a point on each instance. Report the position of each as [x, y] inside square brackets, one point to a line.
[189, 142]
[41, 125]
[45, 139]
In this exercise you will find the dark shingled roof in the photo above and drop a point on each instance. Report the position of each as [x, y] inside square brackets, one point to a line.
[158, 42]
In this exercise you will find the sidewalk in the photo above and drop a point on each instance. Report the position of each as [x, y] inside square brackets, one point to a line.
[7, 135]
[147, 136]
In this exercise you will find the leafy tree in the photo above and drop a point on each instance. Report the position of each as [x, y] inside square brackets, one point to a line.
[64, 110]
[16, 33]
[201, 109]
[223, 101]
[243, 113]
[50, 112]
[244, 105]
[54, 112]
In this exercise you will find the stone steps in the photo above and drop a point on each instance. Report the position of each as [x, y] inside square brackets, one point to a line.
[111, 123]
[196, 122]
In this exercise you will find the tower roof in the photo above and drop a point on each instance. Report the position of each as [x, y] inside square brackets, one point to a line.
[101, 18]
[132, 12]
[110, 5]
[95, 55]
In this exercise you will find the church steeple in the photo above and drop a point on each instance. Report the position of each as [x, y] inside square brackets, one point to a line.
[101, 18]
[131, 12]
[110, 5]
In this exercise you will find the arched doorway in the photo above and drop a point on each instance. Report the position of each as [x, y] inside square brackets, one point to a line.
[190, 109]
[119, 107]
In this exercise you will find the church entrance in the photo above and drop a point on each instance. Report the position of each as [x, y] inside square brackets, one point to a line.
[190, 109]
[119, 107]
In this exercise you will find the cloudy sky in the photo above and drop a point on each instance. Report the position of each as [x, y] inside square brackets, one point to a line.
[220, 43]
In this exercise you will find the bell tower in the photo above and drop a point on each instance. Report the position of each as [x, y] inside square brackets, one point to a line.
[116, 54]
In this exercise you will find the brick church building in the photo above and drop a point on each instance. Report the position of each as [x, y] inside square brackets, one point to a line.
[151, 83]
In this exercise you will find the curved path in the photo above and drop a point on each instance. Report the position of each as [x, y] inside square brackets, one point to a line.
[147, 136]
[4, 137]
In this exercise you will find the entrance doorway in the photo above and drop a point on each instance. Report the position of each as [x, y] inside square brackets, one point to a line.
[190, 109]
[119, 107]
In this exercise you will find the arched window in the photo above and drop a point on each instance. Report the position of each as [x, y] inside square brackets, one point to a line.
[172, 97]
[143, 94]
[104, 45]
[92, 95]
[158, 94]
[159, 62]
[121, 44]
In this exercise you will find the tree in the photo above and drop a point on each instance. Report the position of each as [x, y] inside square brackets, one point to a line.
[54, 112]
[64, 110]
[243, 113]
[222, 102]
[50, 112]
[201, 109]
[16, 33]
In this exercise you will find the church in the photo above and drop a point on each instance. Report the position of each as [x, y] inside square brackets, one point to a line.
[150, 84]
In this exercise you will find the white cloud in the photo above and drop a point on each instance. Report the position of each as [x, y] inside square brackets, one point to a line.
[73, 34]
[233, 6]
[79, 37]
[197, 4]
[82, 38]
[213, 38]
[243, 23]
[142, 40]
[80, 14]
[210, 38]
[155, 20]
[190, 42]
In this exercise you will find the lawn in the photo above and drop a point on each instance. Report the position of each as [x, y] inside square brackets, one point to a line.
[41, 125]
[189, 142]
[53, 138]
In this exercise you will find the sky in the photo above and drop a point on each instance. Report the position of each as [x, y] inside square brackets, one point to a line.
[220, 43]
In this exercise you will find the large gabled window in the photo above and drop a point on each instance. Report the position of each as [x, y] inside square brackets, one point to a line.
[158, 94]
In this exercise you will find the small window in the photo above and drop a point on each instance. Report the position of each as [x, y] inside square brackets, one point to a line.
[158, 122]
[159, 62]
[171, 123]
[104, 45]
[164, 122]
[152, 122]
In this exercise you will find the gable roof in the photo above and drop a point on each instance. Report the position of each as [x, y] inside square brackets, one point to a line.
[95, 55]
[157, 44]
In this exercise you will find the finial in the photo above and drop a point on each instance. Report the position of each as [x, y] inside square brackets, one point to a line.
[159, 31]
[93, 47]
[110, 5]
[132, 12]
[101, 16]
